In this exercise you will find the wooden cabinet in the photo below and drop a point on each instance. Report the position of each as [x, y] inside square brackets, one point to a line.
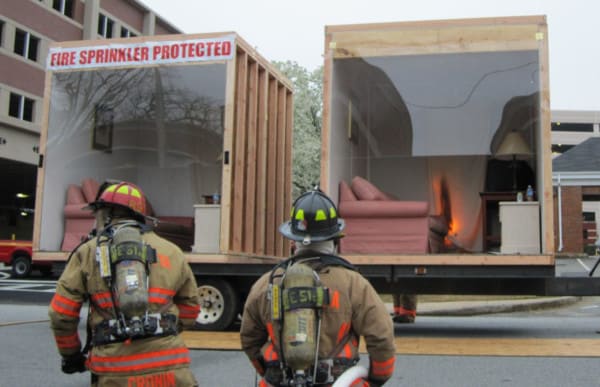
[490, 217]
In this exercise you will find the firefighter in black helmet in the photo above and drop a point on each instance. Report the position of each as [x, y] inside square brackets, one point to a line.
[320, 354]
[314, 219]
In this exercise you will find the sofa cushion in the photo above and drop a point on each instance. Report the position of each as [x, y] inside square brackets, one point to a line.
[346, 193]
[75, 195]
[365, 190]
[90, 188]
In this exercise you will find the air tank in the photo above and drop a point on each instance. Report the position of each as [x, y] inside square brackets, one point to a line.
[131, 281]
[299, 325]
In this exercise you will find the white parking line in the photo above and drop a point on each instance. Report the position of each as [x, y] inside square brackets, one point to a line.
[11, 289]
[23, 281]
[22, 285]
[584, 265]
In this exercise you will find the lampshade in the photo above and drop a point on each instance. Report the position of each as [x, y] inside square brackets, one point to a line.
[513, 145]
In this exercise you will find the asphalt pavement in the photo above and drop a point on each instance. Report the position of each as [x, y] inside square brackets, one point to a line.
[17, 314]
[30, 357]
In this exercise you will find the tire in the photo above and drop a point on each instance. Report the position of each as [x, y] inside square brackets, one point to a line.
[219, 304]
[21, 266]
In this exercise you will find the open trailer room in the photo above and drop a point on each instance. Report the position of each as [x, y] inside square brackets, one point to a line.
[202, 123]
[429, 112]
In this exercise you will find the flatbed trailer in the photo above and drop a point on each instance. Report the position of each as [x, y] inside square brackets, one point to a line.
[225, 280]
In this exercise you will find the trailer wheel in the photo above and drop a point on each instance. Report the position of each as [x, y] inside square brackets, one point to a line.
[218, 305]
[21, 266]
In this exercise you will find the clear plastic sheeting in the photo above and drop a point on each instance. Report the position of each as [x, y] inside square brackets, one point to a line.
[430, 126]
[158, 127]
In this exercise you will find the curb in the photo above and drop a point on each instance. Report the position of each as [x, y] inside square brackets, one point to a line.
[474, 308]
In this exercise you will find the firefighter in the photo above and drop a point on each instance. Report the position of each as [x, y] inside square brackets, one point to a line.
[332, 304]
[141, 293]
[405, 308]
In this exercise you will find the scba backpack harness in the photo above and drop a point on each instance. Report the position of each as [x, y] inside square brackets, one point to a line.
[124, 261]
[297, 302]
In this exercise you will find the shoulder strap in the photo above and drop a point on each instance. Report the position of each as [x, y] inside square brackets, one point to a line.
[334, 260]
[326, 260]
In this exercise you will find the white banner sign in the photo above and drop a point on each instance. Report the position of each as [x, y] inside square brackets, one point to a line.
[126, 54]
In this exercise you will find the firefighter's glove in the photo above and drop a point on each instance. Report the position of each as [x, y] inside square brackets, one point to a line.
[73, 363]
[373, 383]
[259, 365]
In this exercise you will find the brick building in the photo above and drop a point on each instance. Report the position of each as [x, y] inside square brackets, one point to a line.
[576, 179]
[26, 29]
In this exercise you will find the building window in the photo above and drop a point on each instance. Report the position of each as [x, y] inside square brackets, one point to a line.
[105, 26]
[26, 44]
[571, 127]
[1, 32]
[20, 107]
[63, 6]
[126, 33]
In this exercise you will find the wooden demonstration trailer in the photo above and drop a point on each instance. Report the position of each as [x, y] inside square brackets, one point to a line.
[202, 123]
[424, 111]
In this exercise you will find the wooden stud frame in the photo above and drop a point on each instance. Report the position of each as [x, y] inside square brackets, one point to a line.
[261, 174]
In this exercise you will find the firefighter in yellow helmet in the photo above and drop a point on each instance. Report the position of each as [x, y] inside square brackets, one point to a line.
[141, 293]
[302, 321]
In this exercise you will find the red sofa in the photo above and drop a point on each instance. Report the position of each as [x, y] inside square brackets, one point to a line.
[378, 223]
[79, 222]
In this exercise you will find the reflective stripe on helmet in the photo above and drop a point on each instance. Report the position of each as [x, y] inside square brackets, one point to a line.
[124, 194]
[320, 215]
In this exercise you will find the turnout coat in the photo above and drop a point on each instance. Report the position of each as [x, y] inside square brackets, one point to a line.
[355, 310]
[172, 290]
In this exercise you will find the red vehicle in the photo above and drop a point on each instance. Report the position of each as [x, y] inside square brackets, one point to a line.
[18, 255]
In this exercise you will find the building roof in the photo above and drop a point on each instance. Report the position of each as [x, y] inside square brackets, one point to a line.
[583, 157]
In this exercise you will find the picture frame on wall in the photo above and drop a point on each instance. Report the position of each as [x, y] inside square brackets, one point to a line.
[102, 129]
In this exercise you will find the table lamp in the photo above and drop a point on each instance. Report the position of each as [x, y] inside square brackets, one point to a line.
[513, 145]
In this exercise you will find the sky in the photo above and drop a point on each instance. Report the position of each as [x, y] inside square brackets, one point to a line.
[284, 30]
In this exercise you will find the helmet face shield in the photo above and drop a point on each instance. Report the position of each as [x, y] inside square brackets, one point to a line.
[314, 218]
